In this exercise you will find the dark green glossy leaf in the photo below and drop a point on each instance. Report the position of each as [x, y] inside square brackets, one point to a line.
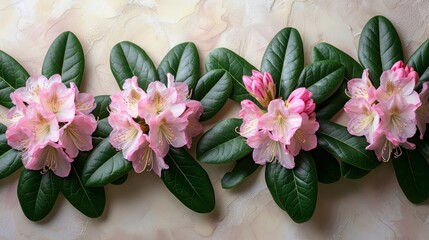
[294, 190]
[104, 165]
[88, 200]
[242, 169]
[102, 103]
[183, 63]
[12, 76]
[236, 66]
[324, 51]
[37, 193]
[65, 57]
[222, 143]
[412, 172]
[188, 181]
[103, 129]
[328, 168]
[334, 104]
[322, 78]
[379, 47]
[10, 159]
[420, 62]
[284, 59]
[213, 90]
[121, 180]
[128, 60]
[352, 172]
[336, 140]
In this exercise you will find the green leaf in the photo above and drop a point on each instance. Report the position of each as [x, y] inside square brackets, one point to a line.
[334, 104]
[188, 181]
[322, 78]
[412, 171]
[213, 90]
[328, 168]
[128, 60]
[183, 62]
[222, 143]
[336, 140]
[352, 172]
[236, 66]
[104, 165]
[294, 190]
[379, 47]
[10, 159]
[89, 201]
[284, 59]
[65, 57]
[242, 169]
[103, 129]
[325, 51]
[121, 180]
[102, 103]
[37, 193]
[12, 76]
[420, 62]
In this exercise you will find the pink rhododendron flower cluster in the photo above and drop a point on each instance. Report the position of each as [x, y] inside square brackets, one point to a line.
[145, 124]
[50, 124]
[282, 129]
[389, 115]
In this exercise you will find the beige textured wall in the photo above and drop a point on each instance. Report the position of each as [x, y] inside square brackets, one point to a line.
[142, 208]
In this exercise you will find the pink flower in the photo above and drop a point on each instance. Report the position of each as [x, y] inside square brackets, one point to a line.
[398, 120]
[18, 137]
[267, 150]
[404, 71]
[18, 111]
[165, 130]
[261, 86]
[30, 93]
[145, 157]
[146, 124]
[84, 102]
[76, 135]
[160, 98]
[305, 137]
[300, 101]
[47, 157]
[383, 148]
[59, 99]
[280, 121]
[41, 107]
[362, 88]
[392, 83]
[422, 113]
[181, 88]
[250, 113]
[193, 111]
[128, 99]
[42, 125]
[126, 134]
[364, 118]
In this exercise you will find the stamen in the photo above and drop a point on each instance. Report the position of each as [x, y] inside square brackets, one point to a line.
[386, 151]
[398, 152]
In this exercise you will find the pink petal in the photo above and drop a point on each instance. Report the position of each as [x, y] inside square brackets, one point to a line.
[60, 100]
[76, 135]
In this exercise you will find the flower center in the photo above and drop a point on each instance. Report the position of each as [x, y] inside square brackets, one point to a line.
[51, 162]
